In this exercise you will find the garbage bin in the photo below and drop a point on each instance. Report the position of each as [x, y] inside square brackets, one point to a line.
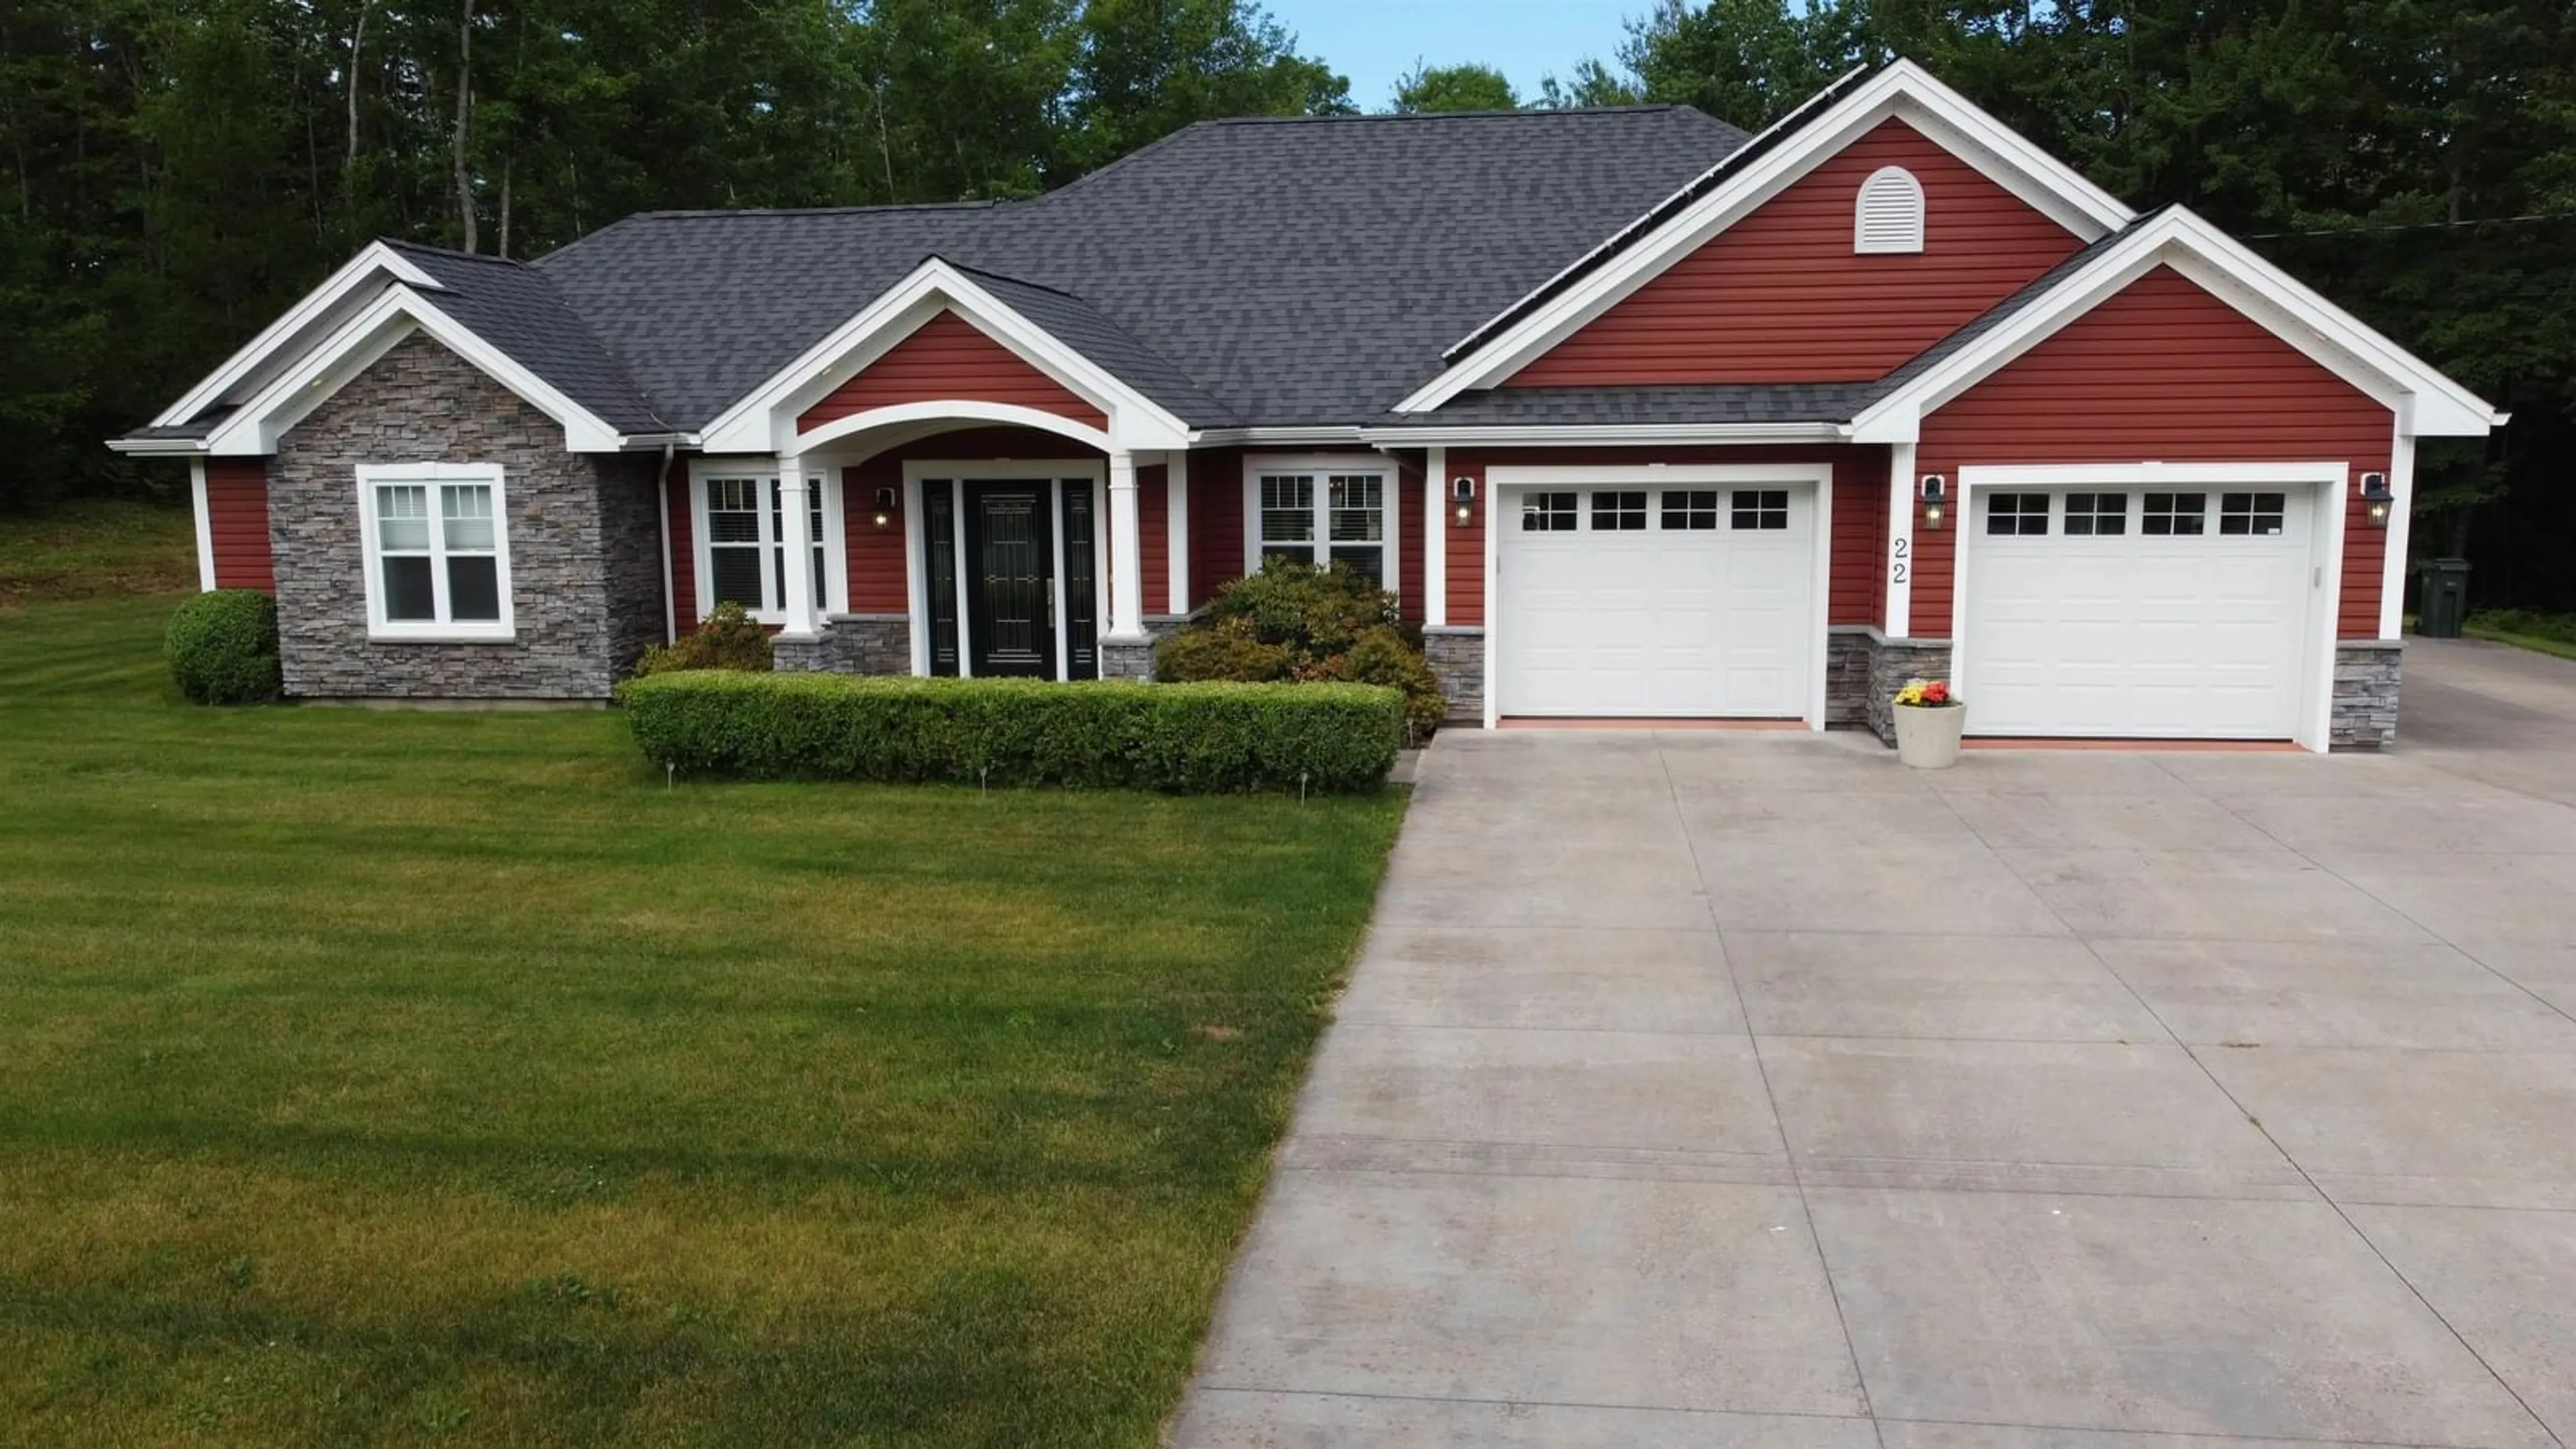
[2443, 605]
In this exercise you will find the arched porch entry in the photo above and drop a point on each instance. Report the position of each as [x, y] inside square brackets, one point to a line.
[984, 544]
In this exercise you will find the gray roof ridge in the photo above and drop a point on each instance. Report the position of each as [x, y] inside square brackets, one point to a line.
[405, 244]
[1485, 113]
[721, 213]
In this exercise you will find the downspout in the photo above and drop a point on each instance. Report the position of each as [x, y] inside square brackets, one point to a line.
[670, 605]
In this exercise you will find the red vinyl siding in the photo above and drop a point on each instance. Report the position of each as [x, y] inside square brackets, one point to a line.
[684, 552]
[237, 523]
[1409, 542]
[1154, 537]
[1859, 493]
[946, 357]
[878, 583]
[1781, 297]
[1216, 521]
[2163, 371]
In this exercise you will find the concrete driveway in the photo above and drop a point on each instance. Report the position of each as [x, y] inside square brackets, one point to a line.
[1724, 1088]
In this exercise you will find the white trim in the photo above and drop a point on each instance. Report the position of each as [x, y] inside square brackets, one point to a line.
[1176, 530]
[919, 473]
[2427, 402]
[1908, 227]
[2392, 568]
[1435, 538]
[205, 526]
[1899, 620]
[1567, 435]
[1390, 504]
[1902, 91]
[670, 585]
[765, 419]
[951, 411]
[2325, 551]
[1817, 476]
[1337, 435]
[254, 429]
[915, 515]
[796, 511]
[429, 477]
[313, 310]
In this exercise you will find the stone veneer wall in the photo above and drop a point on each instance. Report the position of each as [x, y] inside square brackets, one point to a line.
[578, 550]
[1894, 661]
[1136, 661]
[1848, 653]
[853, 644]
[1457, 657]
[2363, 715]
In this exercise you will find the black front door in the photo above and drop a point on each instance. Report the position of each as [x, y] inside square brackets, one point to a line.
[1010, 580]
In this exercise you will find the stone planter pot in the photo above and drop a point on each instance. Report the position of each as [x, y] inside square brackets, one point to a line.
[1927, 735]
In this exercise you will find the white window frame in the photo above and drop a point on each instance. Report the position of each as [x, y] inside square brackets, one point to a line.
[825, 481]
[1907, 237]
[1323, 466]
[440, 630]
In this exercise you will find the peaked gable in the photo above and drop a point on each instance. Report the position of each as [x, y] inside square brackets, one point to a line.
[1783, 295]
[948, 357]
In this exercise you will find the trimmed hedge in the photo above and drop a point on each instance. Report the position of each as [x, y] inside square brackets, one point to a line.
[1183, 738]
[222, 647]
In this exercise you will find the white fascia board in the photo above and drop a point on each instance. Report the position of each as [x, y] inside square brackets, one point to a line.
[764, 421]
[1579, 434]
[158, 447]
[1903, 91]
[1286, 437]
[2425, 401]
[254, 429]
[316, 307]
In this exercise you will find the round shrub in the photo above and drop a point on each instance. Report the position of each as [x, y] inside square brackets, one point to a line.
[223, 647]
[1218, 652]
[1382, 657]
[729, 638]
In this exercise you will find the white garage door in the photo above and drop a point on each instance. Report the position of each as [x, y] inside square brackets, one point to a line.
[1622, 601]
[2123, 613]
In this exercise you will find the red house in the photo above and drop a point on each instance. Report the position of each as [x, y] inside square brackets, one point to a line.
[1638, 415]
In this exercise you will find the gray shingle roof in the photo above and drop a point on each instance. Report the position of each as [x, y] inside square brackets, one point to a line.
[1078, 325]
[1290, 271]
[517, 309]
[1708, 403]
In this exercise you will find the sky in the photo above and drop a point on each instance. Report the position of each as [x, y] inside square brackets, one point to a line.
[1376, 41]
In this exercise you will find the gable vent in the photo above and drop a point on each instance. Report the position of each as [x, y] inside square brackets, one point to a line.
[1889, 215]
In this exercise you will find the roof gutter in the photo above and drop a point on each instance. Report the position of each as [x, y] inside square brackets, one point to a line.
[158, 447]
[1578, 434]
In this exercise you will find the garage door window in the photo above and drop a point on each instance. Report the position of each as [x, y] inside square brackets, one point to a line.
[1618, 512]
[2178, 515]
[1690, 512]
[1761, 508]
[2251, 513]
[1548, 513]
[2022, 514]
[2097, 515]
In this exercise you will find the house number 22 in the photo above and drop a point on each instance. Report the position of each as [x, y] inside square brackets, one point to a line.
[1902, 547]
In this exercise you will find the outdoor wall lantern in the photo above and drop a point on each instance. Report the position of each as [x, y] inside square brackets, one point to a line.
[1936, 498]
[2376, 497]
[1462, 492]
[885, 509]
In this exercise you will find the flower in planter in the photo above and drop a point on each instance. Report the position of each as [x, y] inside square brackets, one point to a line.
[1927, 694]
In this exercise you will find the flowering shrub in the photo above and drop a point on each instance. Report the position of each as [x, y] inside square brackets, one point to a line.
[1927, 693]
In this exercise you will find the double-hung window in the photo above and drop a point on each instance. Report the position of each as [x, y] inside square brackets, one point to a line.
[1323, 516]
[437, 551]
[744, 516]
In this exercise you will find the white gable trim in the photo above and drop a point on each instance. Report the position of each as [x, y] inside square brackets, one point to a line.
[764, 421]
[1903, 91]
[254, 429]
[2426, 403]
[316, 308]
[910, 415]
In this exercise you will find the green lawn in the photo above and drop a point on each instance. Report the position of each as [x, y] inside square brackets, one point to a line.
[2526, 629]
[96, 546]
[393, 1077]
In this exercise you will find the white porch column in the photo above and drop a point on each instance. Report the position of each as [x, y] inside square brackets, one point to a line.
[205, 526]
[1176, 526]
[1126, 551]
[1899, 562]
[796, 535]
[1435, 538]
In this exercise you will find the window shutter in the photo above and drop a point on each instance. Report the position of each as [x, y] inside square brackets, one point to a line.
[1889, 214]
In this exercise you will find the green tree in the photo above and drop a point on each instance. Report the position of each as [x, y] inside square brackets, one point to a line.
[1454, 88]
